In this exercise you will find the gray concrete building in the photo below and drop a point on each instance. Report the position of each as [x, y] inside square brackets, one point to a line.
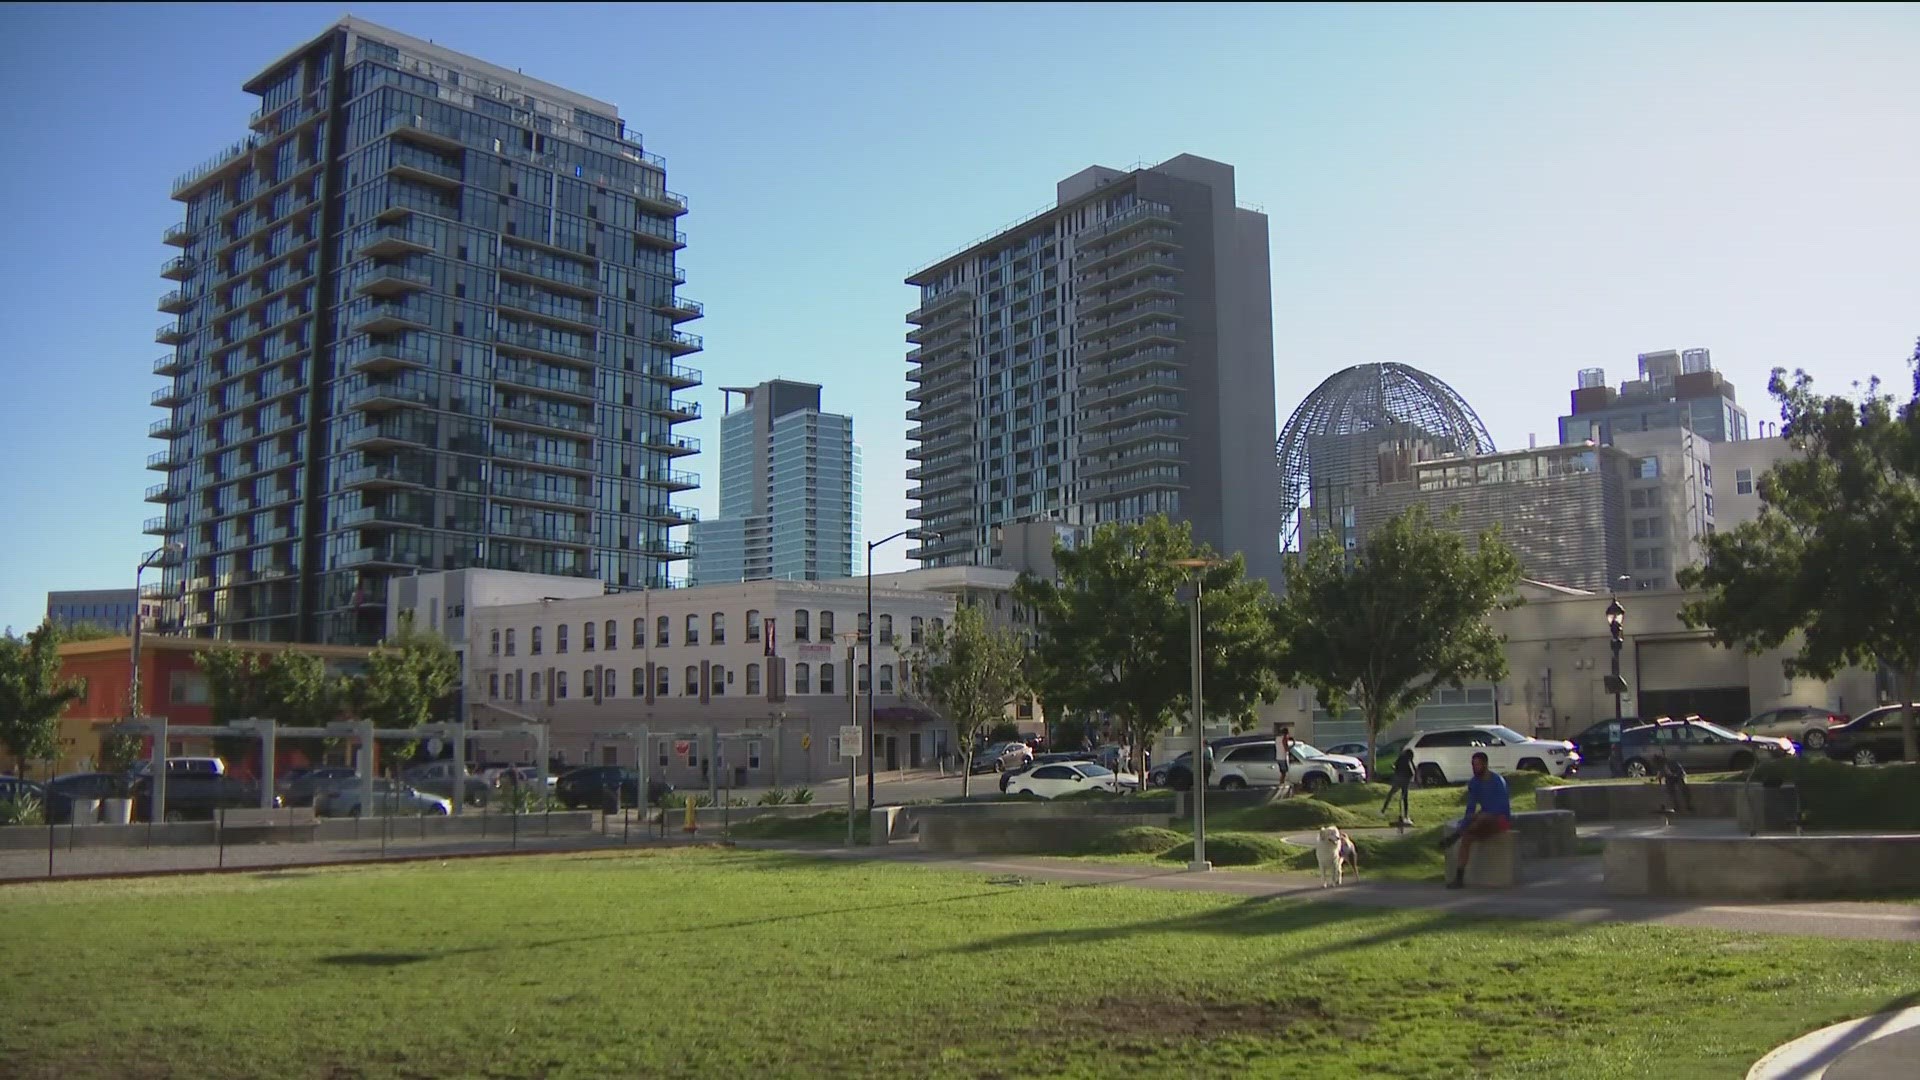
[426, 320]
[1675, 388]
[789, 491]
[1106, 359]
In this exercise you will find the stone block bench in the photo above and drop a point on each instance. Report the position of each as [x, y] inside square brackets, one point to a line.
[1762, 867]
[1536, 834]
[1629, 799]
[1494, 863]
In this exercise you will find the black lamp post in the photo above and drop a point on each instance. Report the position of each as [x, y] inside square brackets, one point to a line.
[1617, 630]
[873, 681]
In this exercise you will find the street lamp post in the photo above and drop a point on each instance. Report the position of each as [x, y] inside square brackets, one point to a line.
[1199, 769]
[874, 682]
[133, 688]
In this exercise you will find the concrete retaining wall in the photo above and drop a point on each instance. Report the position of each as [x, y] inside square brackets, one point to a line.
[1546, 834]
[1022, 827]
[202, 833]
[1637, 799]
[1762, 867]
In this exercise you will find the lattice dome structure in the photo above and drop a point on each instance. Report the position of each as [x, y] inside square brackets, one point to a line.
[1360, 426]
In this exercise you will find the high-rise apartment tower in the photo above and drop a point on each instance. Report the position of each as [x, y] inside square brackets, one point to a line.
[425, 320]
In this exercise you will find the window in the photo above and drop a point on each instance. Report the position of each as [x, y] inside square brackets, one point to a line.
[639, 635]
[662, 682]
[863, 680]
[802, 679]
[717, 680]
[1646, 468]
[1637, 499]
[1743, 481]
[860, 623]
[509, 642]
[1253, 753]
[494, 643]
[753, 753]
[560, 638]
[666, 749]
[1053, 772]
[660, 632]
[886, 629]
[613, 642]
[939, 626]
[753, 625]
[826, 678]
[560, 684]
[639, 682]
[533, 686]
[753, 680]
[915, 631]
[719, 626]
[801, 627]
[1641, 561]
[586, 637]
[493, 687]
[693, 630]
[535, 649]
[693, 680]
[886, 679]
[826, 626]
[610, 686]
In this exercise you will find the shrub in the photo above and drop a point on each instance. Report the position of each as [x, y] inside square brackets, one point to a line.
[828, 826]
[1297, 814]
[1838, 795]
[1235, 849]
[1352, 794]
[773, 797]
[520, 799]
[25, 810]
[803, 796]
[1136, 840]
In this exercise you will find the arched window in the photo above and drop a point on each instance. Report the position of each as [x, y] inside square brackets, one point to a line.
[916, 631]
[939, 625]
[753, 680]
[586, 637]
[886, 629]
[719, 624]
[717, 680]
[535, 647]
[639, 633]
[693, 680]
[533, 686]
[560, 638]
[660, 632]
[610, 686]
[559, 684]
[826, 678]
[613, 631]
[693, 629]
[509, 642]
[662, 682]
[860, 623]
[886, 678]
[802, 679]
[826, 626]
[494, 640]
[753, 625]
[802, 629]
[639, 682]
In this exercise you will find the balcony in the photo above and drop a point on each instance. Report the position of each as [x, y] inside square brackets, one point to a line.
[170, 364]
[178, 268]
[1163, 308]
[1127, 485]
[424, 169]
[545, 419]
[377, 356]
[171, 333]
[547, 273]
[677, 343]
[175, 302]
[947, 304]
[943, 505]
[548, 534]
[1127, 436]
[579, 463]
[389, 318]
[390, 280]
[671, 480]
[214, 166]
[944, 544]
[386, 475]
[1125, 223]
[671, 515]
[1156, 357]
[1132, 459]
[661, 201]
[1113, 273]
[394, 239]
[1115, 393]
[1150, 334]
[385, 517]
[164, 493]
[546, 382]
[931, 447]
[676, 376]
[549, 309]
[385, 555]
[390, 434]
[546, 347]
[167, 460]
[668, 549]
[426, 132]
[670, 445]
[177, 235]
[677, 412]
[1117, 299]
[680, 309]
[1164, 403]
[544, 494]
[659, 235]
[1134, 243]
[169, 396]
[381, 396]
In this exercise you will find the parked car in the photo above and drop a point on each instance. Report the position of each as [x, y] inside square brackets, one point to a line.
[182, 766]
[303, 786]
[497, 776]
[1254, 764]
[1065, 778]
[1038, 760]
[1349, 749]
[1178, 773]
[389, 797]
[1445, 756]
[193, 795]
[61, 791]
[1804, 724]
[594, 785]
[1001, 756]
[1697, 745]
[1596, 741]
[439, 778]
[1870, 738]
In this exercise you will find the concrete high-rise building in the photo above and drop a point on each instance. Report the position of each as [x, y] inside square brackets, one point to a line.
[1107, 359]
[789, 491]
[1676, 389]
[425, 320]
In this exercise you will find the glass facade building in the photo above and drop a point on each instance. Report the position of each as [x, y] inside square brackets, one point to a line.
[789, 491]
[1676, 389]
[426, 318]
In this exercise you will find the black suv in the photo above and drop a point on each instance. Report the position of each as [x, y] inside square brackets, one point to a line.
[1870, 738]
[594, 787]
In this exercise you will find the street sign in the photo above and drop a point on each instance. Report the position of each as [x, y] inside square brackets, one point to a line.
[806, 742]
[849, 740]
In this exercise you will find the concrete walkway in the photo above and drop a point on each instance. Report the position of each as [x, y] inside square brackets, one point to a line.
[1882, 1047]
[1565, 889]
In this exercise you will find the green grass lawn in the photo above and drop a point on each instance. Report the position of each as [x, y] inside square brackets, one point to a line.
[724, 963]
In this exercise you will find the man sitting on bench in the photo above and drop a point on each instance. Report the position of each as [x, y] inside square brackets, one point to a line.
[1489, 813]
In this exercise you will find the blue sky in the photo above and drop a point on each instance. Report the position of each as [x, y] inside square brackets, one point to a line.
[1499, 195]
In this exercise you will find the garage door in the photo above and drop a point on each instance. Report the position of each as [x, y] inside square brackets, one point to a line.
[1687, 665]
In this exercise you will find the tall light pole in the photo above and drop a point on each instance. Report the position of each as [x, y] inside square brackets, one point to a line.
[1199, 769]
[1616, 632]
[874, 682]
[153, 558]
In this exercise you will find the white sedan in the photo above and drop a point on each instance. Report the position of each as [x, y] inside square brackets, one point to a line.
[388, 798]
[1068, 778]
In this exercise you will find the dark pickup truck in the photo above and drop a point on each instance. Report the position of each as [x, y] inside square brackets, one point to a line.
[197, 798]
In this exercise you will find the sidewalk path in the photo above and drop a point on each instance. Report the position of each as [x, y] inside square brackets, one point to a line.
[1570, 894]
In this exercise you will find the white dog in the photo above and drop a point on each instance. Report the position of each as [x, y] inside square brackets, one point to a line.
[1335, 851]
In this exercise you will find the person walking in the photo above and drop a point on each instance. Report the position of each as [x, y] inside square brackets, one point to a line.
[1402, 780]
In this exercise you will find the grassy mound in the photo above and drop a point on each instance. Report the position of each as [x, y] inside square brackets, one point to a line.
[1417, 854]
[1235, 849]
[1294, 815]
[826, 826]
[1837, 795]
[1353, 794]
[1137, 840]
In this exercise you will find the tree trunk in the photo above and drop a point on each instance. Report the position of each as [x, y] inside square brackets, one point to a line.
[966, 767]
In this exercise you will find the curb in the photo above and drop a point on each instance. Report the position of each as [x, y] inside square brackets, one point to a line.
[1809, 1056]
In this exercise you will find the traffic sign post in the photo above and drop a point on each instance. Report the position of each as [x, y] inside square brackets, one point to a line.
[850, 749]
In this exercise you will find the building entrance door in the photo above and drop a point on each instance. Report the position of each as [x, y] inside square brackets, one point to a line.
[913, 750]
[893, 752]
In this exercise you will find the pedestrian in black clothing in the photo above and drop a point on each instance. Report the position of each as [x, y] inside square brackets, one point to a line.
[1674, 776]
[1402, 780]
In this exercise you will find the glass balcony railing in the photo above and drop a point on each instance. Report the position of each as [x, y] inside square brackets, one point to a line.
[545, 344]
[580, 462]
[544, 380]
[547, 418]
[178, 268]
[544, 493]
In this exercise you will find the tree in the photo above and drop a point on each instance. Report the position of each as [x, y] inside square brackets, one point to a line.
[1114, 635]
[1379, 631]
[409, 680]
[1831, 561]
[286, 686]
[33, 695]
[969, 673]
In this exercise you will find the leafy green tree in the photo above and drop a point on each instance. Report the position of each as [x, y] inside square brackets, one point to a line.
[969, 673]
[1114, 636]
[1833, 561]
[409, 681]
[1377, 632]
[33, 695]
[286, 686]
[87, 631]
